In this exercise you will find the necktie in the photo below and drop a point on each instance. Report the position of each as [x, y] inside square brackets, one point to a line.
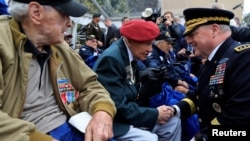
[134, 69]
[203, 69]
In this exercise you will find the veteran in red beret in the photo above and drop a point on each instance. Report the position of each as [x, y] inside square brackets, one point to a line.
[117, 70]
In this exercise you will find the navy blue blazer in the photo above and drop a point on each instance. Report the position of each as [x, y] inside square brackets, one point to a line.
[112, 68]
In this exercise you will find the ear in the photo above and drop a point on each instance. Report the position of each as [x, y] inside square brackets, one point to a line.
[36, 12]
[215, 30]
[215, 27]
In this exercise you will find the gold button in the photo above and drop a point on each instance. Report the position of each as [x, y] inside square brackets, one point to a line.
[197, 97]
[200, 120]
[198, 109]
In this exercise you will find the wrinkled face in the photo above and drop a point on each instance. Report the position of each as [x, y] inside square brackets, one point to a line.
[140, 50]
[45, 25]
[54, 24]
[164, 46]
[91, 43]
[202, 40]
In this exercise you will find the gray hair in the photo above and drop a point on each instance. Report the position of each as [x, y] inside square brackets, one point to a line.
[225, 28]
[158, 41]
[18, 10]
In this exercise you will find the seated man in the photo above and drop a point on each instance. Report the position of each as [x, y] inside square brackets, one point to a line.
[178, 77]
[41, 86]
[118, 72]
[90, 52]
[160, 56]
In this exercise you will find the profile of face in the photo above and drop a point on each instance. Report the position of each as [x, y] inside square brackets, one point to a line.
[140, 50]
[202, 40]
[164, 46]
[50, 23]
[91, 43]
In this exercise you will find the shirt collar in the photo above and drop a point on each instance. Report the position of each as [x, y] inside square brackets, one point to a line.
[29, 47]
[130, 56]
[211, 55]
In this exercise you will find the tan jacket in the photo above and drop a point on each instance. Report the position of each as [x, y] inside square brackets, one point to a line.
[65, 64]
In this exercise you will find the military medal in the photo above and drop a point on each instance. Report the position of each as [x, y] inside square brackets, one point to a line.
[216, 107]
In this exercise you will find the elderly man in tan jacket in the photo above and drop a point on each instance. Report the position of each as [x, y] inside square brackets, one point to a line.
[42, 81]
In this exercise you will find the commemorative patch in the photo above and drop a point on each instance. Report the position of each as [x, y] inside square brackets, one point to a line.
[67, 92]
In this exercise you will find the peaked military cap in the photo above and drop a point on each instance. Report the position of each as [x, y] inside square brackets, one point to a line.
[195, 17]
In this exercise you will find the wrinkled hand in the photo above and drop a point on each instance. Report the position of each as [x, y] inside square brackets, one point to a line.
[99, 43]
[165, 113]
[149, 74]
[183, 83]
[181, 89]
[100, 127]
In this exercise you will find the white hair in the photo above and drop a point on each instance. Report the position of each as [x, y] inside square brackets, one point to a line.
[18, 10]
[158, 41]
[225, 28]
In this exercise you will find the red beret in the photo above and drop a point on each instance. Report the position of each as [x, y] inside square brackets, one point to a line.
[140, 30]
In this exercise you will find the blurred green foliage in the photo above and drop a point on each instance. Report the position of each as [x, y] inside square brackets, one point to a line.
[120, 8]
[246, 20]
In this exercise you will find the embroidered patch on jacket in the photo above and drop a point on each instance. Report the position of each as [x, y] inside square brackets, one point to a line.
[67, 92]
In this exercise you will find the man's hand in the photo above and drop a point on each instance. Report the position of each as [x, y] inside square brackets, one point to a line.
[183, 83]
[100, 127]
[165, 113]
[99, 43]
[181, 89]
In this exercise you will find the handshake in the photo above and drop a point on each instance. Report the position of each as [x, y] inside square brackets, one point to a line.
[154, 74]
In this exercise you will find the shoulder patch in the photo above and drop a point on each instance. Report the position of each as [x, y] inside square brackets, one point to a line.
[242, 47]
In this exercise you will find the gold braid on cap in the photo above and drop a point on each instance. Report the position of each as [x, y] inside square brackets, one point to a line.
[191, 24]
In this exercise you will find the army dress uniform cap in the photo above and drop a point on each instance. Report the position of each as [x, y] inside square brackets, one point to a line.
[68, 7]
[165, 36]
[140, 30]
[195, 17]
